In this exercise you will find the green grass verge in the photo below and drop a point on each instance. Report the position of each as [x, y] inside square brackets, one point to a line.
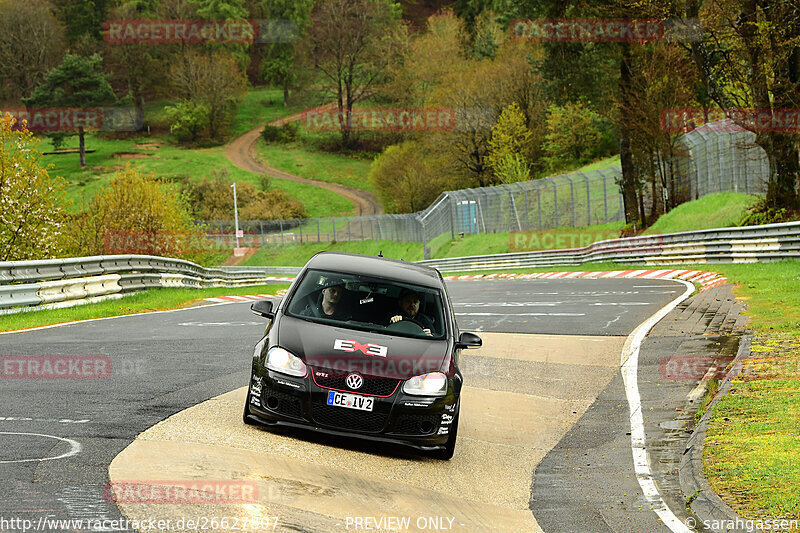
[149, 300]
[719, 210]
[299, 254]
[305, 161]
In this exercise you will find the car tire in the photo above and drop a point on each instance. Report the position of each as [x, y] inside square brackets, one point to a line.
[446, 453]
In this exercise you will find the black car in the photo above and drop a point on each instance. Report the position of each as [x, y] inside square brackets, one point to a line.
[342, 356]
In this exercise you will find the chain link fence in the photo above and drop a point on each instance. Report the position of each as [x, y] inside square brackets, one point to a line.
[568, 200]
[717, 157]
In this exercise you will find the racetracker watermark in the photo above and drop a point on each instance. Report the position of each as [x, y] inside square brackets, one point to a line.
[55, 367]
[221, 492]
[774, 120]
[43, 119]
[694, 368]
[391, 366]
[605, 30]
[523, 241]
[380, 119]
[165, 31]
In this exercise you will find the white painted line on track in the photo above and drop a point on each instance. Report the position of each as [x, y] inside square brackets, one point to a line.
[75, 448]
[629, 366]
[520, 314]
[62, 324]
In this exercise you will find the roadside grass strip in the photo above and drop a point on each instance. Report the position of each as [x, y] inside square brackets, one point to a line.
[150, 300]
[751, 454]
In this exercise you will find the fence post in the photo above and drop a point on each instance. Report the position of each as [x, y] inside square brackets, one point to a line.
[348, 230]
[571, 197]
[539, 204]
[283, 239]
[318, 238]
[334, 229]
[300, 229]
[588, 200]
[605, 196]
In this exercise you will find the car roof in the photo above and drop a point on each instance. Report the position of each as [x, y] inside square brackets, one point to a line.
[379, 267]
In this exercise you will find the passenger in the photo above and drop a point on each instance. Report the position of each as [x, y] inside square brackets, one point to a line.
[408, 305]
[328, 303]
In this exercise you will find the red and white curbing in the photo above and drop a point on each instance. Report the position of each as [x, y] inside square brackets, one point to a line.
[706, 280]
[245, 298]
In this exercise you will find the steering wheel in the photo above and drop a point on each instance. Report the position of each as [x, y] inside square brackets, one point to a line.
[405, 326]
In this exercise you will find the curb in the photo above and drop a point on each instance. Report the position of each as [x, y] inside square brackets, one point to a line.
[708, 506]
[706, 280]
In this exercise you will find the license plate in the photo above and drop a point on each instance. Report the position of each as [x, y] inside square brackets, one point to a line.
[351, 401]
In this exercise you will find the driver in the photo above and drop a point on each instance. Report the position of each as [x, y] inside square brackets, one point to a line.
[408, 306]
[328, 305]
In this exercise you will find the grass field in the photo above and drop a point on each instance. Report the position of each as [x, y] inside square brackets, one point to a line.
[719, 210]
[149, 300]
[158, 153]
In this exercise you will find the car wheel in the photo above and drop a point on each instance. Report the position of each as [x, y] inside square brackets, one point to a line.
[450, 446]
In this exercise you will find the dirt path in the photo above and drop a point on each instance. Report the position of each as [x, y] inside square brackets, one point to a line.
[241, 152]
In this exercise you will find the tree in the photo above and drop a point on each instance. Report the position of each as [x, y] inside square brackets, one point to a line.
[278, 65]
[212, 79]
[761, 70]
[78, 82]
[350, 46]
[134, 205]
[31, 202]
[572, 136]
[509, 145]
[405, 181]
[31, 43]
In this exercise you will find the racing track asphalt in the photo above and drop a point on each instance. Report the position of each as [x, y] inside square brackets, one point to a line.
[164, 363]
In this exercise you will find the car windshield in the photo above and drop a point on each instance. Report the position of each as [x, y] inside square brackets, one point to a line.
[368, 304]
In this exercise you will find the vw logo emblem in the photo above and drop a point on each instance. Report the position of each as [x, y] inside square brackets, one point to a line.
[354, 381]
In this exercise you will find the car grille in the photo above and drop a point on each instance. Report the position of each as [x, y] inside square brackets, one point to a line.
[329, 415]
[286, 403]
[416, 424]
[373, 385]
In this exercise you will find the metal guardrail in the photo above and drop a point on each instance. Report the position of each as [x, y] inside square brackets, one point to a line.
[749, 244]
[34, 283]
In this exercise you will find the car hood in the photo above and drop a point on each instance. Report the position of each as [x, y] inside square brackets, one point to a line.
[347, 350]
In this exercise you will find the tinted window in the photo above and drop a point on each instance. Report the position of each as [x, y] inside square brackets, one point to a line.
[368, 304]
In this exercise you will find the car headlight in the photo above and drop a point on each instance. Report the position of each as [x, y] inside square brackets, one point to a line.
[282, 361]
[433, 384]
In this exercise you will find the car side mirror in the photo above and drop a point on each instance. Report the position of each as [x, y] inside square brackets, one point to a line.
[469, 340]
[263, 308]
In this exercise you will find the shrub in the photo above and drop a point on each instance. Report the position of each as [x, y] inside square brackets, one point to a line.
[188, 120]
[280, 134]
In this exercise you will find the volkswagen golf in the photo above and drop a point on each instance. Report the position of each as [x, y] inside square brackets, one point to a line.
[362, 346]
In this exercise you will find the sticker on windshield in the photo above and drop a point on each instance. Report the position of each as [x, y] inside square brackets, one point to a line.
[368, 348]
